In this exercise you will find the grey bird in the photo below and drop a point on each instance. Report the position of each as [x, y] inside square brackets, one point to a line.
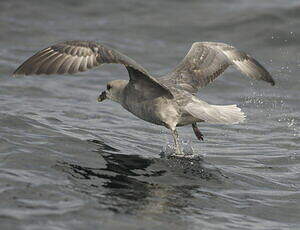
[168, 101]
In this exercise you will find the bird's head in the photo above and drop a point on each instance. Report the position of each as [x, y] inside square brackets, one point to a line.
[114, 91]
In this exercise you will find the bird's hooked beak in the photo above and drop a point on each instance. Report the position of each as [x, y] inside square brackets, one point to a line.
[102, 96]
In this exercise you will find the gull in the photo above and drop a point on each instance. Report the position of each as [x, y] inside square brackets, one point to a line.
[170, 100]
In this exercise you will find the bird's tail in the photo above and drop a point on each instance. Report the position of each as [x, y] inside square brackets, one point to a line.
[215, 114]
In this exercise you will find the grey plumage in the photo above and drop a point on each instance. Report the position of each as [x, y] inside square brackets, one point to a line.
[170, 100]
[207, 60]
[77, 56]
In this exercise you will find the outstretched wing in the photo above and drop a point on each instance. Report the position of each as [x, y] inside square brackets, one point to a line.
[78, 56]
[207, 60]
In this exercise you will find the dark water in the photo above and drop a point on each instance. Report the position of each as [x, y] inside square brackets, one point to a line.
[68, 162]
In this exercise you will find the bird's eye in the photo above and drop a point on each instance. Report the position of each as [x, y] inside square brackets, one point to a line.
[108, 87]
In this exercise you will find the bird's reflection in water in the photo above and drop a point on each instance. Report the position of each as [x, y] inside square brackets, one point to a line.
[137, 185]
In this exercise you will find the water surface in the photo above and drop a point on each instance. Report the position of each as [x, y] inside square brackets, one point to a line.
[68, 162]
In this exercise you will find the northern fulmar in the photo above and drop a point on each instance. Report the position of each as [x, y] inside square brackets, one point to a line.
[170, 100]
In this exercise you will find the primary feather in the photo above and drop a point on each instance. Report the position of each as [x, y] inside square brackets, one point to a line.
[207, 60]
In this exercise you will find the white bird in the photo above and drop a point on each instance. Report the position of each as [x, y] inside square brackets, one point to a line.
[169, 101]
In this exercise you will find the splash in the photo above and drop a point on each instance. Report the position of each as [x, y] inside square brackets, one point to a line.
[186, 146]
[275, 108]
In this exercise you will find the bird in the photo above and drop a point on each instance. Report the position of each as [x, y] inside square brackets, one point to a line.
[169, 100]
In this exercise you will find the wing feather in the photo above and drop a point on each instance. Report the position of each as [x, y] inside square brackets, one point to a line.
[90, 62]
[83, 64]
[64, 67]
[74, 68]
[207, 60]
[56, 64]
[78, 56]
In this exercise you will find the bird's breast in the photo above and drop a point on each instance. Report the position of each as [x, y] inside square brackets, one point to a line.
[153, 110]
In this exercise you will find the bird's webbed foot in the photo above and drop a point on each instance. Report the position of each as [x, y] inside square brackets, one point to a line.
[178, 150]
[197, 132]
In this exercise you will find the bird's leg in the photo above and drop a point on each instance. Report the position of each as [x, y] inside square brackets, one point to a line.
[197, 132]
[176, 142]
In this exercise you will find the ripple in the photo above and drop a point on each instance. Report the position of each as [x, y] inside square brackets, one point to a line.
[68, 162]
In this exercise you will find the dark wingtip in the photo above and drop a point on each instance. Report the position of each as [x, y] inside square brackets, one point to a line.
[14, 74]
[20, 71]
[272, 83]
[271, 80]
[17, 72]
